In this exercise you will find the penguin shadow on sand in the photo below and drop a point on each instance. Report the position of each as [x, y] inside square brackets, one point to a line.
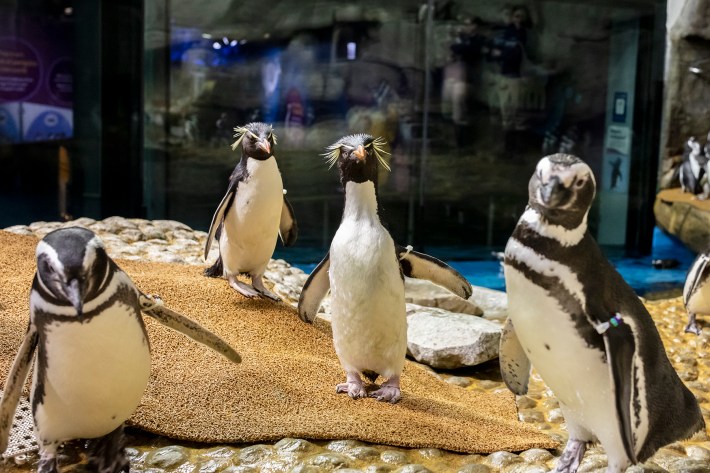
[252, 214]
[573, 317]
[364, 271]
[93, 356]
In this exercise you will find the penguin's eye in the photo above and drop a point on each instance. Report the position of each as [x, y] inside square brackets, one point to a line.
[579, 183]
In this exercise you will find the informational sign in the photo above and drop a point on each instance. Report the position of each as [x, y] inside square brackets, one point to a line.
[618, 139]
[618, 114]
[36, 80]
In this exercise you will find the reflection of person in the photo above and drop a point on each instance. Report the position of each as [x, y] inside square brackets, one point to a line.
[222, 131]
[466, 52]
[512, 43]
[509, 49]
[616, 175]
[295, 118]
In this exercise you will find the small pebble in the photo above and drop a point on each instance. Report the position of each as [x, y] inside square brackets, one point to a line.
[393, 457]
[460, 381]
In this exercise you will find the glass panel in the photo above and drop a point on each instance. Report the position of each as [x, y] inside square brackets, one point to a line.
[36, 111]
[469, 96]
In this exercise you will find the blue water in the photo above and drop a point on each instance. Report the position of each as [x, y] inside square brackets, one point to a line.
[638, 272]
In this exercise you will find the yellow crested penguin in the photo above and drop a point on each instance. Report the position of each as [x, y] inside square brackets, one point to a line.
[92, 350]
[584, 329]
[251, 215]
[364, 271]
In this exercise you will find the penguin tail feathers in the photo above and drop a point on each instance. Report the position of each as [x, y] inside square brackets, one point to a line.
[216, 270]
[371, 376]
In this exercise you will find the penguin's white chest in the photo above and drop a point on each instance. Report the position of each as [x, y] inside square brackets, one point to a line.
[575, 372]
[367, 292]
[95, 374]
[251, 225]
[698, 301]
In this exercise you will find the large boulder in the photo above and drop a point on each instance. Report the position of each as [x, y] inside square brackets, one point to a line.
[426, 293]
[447, 340]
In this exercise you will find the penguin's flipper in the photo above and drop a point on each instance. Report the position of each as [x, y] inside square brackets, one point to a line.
[288, 227]
[421, 266]
[218, 216]
[153, 306]
[14, 383]
[514, 363]
[620, 345]
[314, 290]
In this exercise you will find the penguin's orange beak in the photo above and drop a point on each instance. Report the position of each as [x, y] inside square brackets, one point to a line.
[359, 153]
[264, 144]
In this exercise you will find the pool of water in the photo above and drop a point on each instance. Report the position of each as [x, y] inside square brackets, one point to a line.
[640, 273]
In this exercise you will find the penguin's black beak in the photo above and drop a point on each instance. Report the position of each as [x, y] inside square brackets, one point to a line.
[265, 146]
[360, 153]
[74, 292]
[551, 192]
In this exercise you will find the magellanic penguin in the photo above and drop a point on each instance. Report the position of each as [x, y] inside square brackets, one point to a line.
[251, 215]
[696, 292]
[585, 331]
[364, 270]
[93, 354]
[693, 169]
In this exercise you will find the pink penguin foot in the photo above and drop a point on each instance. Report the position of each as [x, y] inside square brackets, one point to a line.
[389, 391]
[353, 386]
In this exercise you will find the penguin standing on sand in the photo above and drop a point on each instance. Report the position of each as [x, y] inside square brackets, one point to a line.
[251, 215]
[693, 168]
[696, 291]
[364, 270]
[585, 331]
[93, 354]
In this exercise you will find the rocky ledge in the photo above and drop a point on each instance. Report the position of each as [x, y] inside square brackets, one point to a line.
[684, 216]
[433, 314]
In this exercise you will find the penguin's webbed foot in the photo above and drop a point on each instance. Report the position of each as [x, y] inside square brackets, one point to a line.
[107, 454]
[48, 460]
[243, 288]
[389, 391]
[261, 289]
[571, 456]
[353, 386]
[693, 326]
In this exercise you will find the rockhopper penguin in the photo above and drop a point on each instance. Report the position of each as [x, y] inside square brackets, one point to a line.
[251, 215]
[364, 270]
[93, 354]
[585, 331]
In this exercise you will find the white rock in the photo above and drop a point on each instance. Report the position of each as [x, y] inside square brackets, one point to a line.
[426, 293]
[448, 340]
[493, 303]
[19, 230]
[171, 225]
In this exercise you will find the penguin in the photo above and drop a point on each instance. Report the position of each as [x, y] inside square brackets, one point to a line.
[92, 359]
[574, 318]
[364, 270]
[252, 213]
[693, 168]
[696, 291]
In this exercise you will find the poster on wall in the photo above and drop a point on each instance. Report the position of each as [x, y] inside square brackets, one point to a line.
[36, 81]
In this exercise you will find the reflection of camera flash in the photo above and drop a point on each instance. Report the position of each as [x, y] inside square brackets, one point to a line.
[352, 50]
